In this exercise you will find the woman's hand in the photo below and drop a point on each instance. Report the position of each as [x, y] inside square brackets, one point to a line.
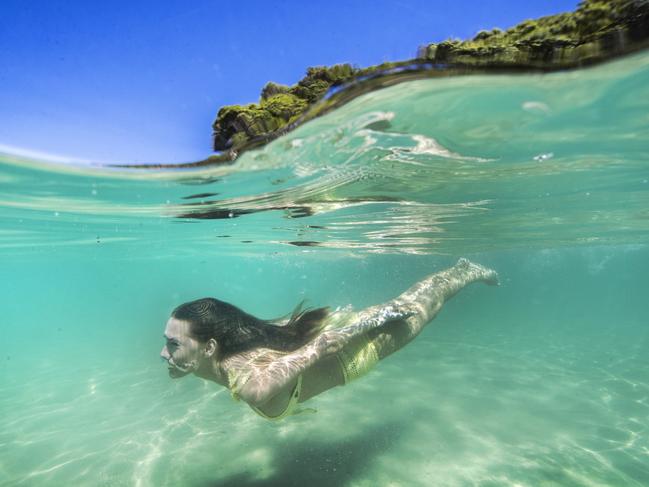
[329, 343]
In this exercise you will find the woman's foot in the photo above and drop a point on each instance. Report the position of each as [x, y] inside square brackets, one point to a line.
[480, 272]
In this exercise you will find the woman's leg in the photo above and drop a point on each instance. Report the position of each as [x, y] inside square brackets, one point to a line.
[406, 315]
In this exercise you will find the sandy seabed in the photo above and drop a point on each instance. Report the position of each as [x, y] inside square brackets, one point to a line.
[440, 412]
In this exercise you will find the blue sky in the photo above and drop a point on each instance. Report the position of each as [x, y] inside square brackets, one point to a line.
[119, 81]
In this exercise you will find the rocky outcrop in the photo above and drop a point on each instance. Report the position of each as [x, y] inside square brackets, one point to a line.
[279, 106]
[596, 31]
[242, 125]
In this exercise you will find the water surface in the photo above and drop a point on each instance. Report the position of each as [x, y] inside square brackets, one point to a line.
[541, 381]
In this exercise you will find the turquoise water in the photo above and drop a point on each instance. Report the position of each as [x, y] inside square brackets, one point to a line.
[541, 381]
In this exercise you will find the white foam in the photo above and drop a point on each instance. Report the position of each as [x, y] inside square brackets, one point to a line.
[428, 145]
[536, 106]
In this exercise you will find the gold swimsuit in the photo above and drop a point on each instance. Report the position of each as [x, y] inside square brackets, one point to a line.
[356, 359]
[290, 407]
[236, 382]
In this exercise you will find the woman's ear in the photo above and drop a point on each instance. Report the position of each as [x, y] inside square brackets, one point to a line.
[211, 347]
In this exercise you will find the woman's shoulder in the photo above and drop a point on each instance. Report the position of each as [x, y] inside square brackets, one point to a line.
[254, 358]
[242, 366]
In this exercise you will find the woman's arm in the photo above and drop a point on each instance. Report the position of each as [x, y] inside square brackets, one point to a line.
[392, 325]
[410, 312]
[267, 380]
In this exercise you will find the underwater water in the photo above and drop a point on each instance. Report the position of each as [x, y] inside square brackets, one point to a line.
[541, 381]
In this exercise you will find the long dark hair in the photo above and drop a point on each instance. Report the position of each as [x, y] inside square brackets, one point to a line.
[235, 330]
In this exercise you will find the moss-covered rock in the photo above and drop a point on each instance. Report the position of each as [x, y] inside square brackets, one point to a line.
[272, 89]
[279, 105]
[596, 31]
[285, 106]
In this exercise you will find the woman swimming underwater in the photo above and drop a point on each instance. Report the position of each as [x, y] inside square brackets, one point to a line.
[274, 365]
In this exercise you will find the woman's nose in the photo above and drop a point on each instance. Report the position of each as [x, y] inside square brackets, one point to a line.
[165, 353]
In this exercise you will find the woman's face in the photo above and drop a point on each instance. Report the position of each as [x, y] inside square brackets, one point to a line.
[181, 351]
